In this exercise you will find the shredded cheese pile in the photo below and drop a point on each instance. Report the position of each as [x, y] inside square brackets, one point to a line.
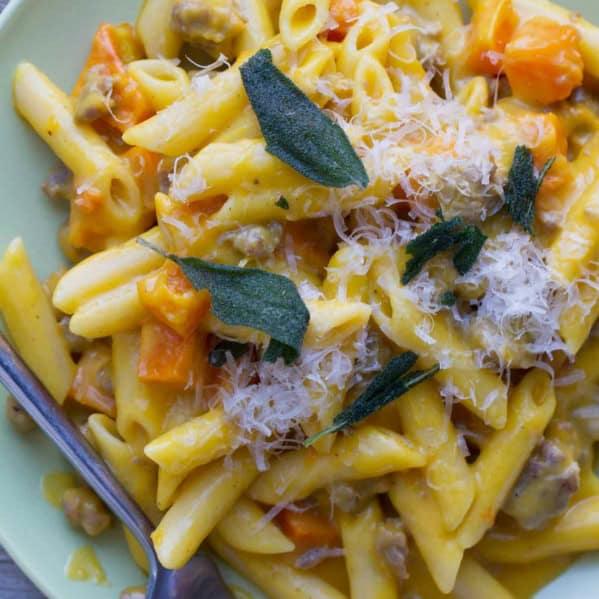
[268, 402]
[522, 301]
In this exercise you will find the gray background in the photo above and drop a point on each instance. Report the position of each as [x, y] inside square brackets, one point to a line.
[14, 584]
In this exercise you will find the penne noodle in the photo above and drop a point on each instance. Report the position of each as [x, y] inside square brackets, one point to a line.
[244, 528]
[505, 453]
[31, 322]
[370, 452]
[200, 504]
[369, 575]
[274, 576]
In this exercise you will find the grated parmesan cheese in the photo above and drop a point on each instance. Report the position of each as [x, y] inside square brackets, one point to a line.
[197, 184]
[204, 69]
[269, 401]
[575, 376]
[522, 302]
[430, 147]
[374, 231]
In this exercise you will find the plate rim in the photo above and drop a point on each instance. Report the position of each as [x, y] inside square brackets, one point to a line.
[11, 10]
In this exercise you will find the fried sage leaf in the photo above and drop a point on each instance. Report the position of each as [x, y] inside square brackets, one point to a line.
[253, 298]
[391, 383]
[296, 130]
[523, 186]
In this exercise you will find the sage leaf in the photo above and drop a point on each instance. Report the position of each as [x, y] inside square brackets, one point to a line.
[394, 381]
[250, 297]
[469, 243]
[218, 356]
[466, 242]
[522, 187]
[448, 299]
[296, 130]
[440, 237]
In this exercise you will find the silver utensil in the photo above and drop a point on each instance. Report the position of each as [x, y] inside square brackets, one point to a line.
[199, 578]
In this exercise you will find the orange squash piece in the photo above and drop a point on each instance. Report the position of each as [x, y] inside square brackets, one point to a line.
[165, 357]
[543, 62]
[171, 299]
[113, 47]
[344, 13]
[308, 529]
[311, 242]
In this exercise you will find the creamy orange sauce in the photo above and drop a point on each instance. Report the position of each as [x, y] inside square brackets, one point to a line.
[84, 566]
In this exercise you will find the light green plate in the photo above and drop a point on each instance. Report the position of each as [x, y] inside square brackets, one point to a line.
[55, 35]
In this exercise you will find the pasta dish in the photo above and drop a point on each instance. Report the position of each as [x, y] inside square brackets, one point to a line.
[333, 282]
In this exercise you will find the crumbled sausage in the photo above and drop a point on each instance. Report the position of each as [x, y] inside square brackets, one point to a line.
[76, 344]
[59, 183]
[258, 241]
[85, 510]
[353, 497]
[165, 172]
[544, 488]
[18, 417]
[206, 22]
[392, 544]
[94, 101]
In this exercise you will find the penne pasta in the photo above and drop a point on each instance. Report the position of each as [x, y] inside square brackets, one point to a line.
[275, 577]
[425, 421]
[506, 452]
[332, 308]
[368, 574]
[440, 550]
[370, 452]
[244, 528]
[200, 504]
[31, 322]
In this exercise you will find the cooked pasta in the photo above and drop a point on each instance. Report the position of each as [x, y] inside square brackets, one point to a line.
[335, 316]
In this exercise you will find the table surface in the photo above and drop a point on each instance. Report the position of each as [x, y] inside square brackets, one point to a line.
[13, 583]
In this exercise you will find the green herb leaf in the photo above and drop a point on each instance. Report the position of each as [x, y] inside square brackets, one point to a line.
[296, 130]
[276, 350]
[395, 368]
[218, 356]
[250, 297]
[448, 298]
[523, 186]
[440, 237]
[384, 388]
[282, 203]
[448, 234]
[469, 243]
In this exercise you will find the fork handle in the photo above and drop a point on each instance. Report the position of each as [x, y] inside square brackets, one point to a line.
[18, 378]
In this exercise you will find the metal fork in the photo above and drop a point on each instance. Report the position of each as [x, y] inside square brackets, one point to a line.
[199, 578]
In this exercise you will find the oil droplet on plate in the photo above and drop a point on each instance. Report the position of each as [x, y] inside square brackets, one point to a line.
[84, 566]
[54, 484]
